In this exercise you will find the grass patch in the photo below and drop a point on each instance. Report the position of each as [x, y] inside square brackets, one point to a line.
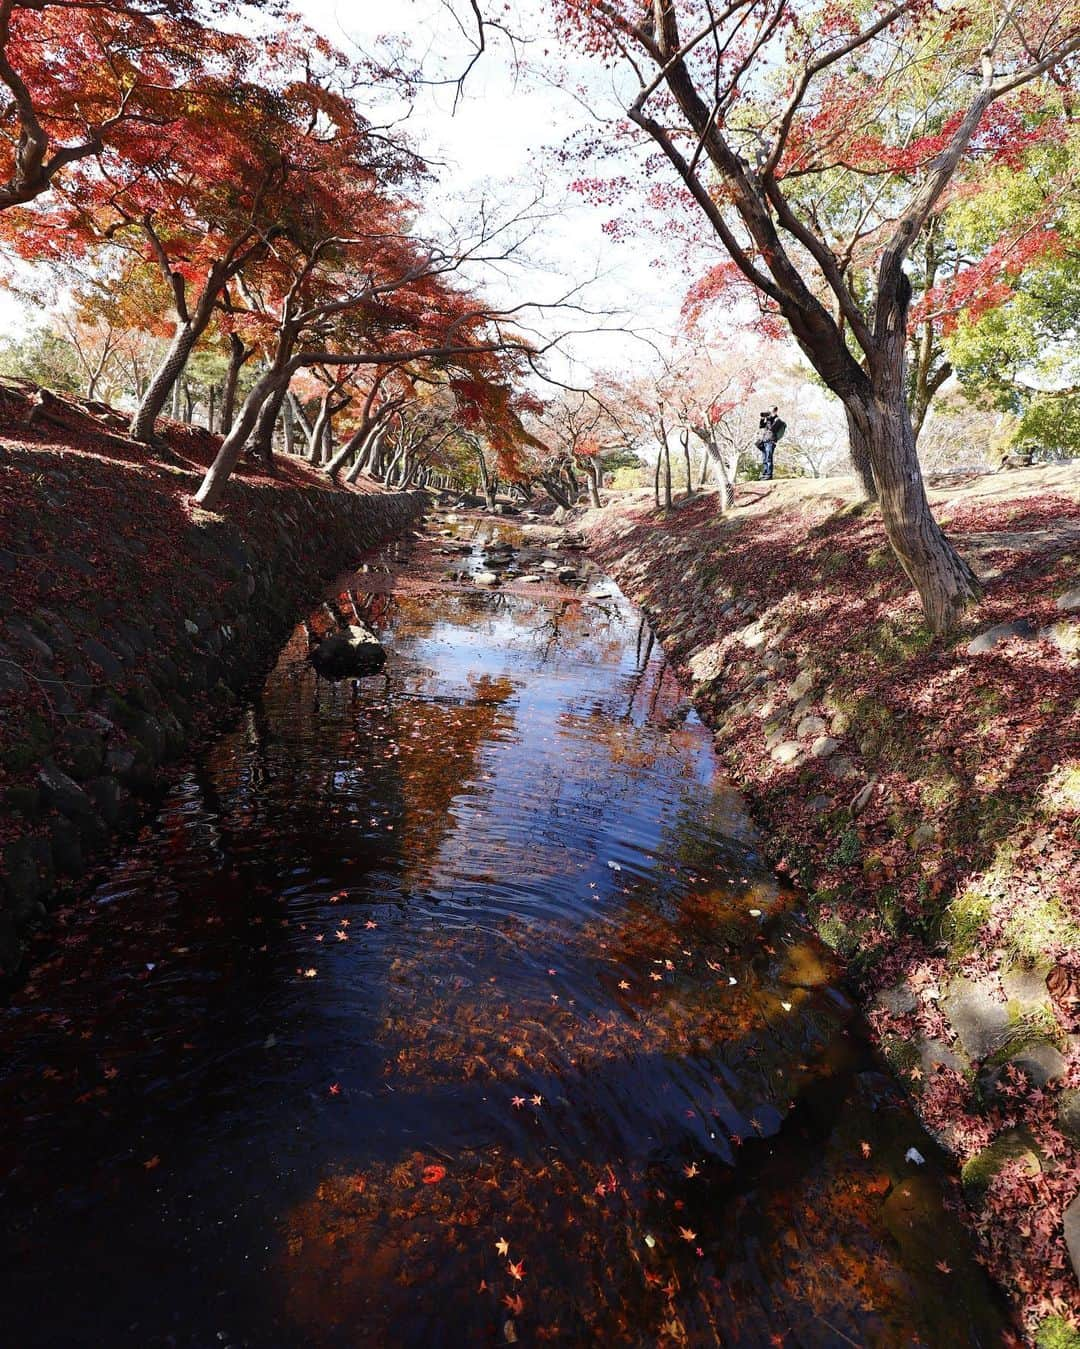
[1027, 1028]
[937, 785]
[963, 921]
[1038, 926]
[897, 639]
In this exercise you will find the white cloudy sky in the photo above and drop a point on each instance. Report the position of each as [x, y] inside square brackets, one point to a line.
[499, 143]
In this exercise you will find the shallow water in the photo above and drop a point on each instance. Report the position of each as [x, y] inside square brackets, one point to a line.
[457, 1006]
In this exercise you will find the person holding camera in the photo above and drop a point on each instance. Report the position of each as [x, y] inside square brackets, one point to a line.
[770, 429]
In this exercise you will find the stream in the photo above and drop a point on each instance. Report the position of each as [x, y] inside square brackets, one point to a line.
[456, 1006]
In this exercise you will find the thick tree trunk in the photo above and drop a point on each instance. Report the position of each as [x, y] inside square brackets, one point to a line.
[164, 382]
[945, 582]
[555, 491]
[368, 452]
[317, 439]
[353, 445]
[714, 455]
[262, 441]
[592, 481]
[667, 475]
[272, 382]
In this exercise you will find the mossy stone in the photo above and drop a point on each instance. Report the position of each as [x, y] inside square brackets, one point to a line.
[979, 1171]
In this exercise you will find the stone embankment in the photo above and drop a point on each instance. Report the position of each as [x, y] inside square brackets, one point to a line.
[129, 623]
[925, 794]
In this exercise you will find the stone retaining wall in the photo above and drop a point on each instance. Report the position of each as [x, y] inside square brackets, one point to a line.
[129, 623]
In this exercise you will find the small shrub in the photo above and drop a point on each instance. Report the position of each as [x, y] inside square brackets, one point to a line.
[1056, 1333]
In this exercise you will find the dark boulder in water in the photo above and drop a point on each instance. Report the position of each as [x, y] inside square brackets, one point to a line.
[354, 650]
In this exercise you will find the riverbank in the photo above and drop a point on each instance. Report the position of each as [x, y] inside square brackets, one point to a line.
[926, 796]
[130, 620]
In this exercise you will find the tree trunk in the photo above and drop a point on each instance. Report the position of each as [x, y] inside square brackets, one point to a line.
[485, 480]
[288, 425]
[592, 481]
[164, 382]
[238, 354]
[685, 438]
[555, 491]
[368, 452]
[316, 439]
[667, 475]
[656, 478]
[262, 441]
[860, 457]
[272, 383]
[353, 445]
[714, 455]
[945, 582]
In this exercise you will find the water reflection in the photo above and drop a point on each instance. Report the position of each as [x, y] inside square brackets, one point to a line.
[455, 1006]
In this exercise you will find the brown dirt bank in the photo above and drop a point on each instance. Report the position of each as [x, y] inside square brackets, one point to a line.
[129, 621]
[925, 794]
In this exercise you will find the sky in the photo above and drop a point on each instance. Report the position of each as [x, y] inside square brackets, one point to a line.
[498, 143]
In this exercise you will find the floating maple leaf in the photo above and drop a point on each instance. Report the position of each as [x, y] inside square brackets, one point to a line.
[502, 1246]
[516, 1271]
[431, 1175]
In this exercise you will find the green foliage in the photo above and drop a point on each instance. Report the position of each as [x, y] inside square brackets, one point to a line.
[1056, 1333]
[1039, 925]
[44, 357]
[1052, 424]
[1026, 342]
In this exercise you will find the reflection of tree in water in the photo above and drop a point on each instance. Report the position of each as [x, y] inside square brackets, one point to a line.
[369, 763]
[495, 1247]
[693, 1171]
[439, 743]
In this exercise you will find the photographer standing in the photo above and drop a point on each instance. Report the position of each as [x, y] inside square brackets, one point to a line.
[770, 429]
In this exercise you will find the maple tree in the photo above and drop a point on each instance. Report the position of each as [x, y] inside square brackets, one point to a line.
[582, 431]
[760, 105]
[209, 196]
[80, 76]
